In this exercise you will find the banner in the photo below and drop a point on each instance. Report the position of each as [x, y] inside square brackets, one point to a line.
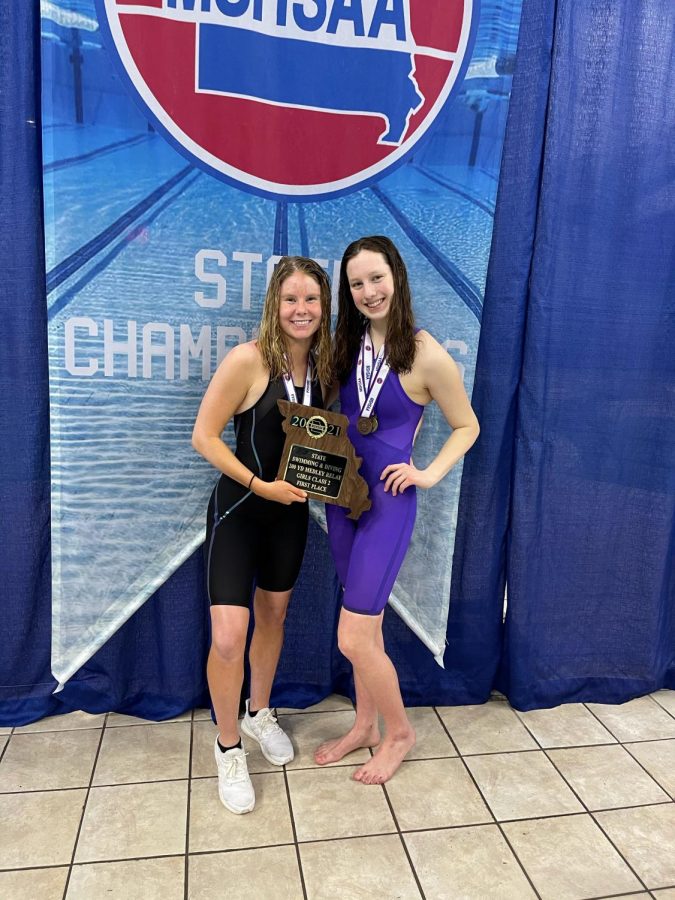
[188, 144]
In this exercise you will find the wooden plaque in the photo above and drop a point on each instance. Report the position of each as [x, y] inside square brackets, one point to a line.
[319, 457]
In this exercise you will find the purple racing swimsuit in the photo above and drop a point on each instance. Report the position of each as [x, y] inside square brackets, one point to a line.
[368, 553]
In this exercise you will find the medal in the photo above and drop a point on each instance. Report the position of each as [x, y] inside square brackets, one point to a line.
[366, 424]
[370, 377]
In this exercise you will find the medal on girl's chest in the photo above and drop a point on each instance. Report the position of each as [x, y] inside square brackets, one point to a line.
[367, 424]
[370, 378]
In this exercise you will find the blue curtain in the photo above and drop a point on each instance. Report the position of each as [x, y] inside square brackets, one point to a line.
[570, 494]
[568, 497]
[24, 398]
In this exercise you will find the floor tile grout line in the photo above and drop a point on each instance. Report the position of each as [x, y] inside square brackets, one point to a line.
[665, 708]
[7, 743]
[593, 815]
[653, 777]
[608, 808]
[620, 895]
[354, 837]
[84, 807]
[291, 844]
[403, 843]
[489, 809]
[589, 812]
[586, 808]
[186, 866]
[636, 740]
[625, 745]
[141, 723]
[296, 843]
[81, 787]
[568, 746]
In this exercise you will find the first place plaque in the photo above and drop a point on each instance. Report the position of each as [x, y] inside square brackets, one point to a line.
[319, 457]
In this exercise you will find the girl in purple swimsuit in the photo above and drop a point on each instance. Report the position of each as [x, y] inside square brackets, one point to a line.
[388, 372]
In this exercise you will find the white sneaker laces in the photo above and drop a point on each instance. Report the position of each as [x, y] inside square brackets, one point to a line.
[235, 767]
[267, 723]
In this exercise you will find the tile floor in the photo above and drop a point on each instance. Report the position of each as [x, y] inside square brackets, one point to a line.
[573, 802]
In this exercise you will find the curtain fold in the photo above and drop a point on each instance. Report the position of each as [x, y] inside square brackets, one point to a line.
[25, 600]
[591, 590]
[475, 631]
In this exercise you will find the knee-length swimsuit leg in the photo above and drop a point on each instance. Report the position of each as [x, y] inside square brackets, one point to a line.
[369, 553]
[250, 540]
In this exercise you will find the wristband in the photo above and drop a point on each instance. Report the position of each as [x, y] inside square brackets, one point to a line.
[251, 481]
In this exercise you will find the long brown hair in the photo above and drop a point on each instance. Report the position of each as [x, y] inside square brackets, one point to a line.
[400, 338]
[271, 339]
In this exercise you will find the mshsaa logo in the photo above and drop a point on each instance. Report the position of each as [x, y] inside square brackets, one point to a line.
[298, 98]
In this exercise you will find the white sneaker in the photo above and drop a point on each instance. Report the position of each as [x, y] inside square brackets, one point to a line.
[234, 783]
[275, 744]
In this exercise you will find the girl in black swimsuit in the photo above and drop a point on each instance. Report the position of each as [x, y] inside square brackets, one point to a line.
[257, 525]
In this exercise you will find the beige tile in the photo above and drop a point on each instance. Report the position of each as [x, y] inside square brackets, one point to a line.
[39, 829]
[212, 827]
[646, 837]
[66, 722]
[143, 753]
[606, 777]
[667, 894]
[6, 730]
[334, 703]
[467, 864]
[658, 758]
[48, 760]
[149, 879]
[203, 762]
[432, 739]
[267, 873]
[435, 793]
[3, 742]
[308, 730]
[666, 699]
[328, 803]
[638, 720]
[358, 868]
[133, 820]
[522, 785]
[201, 713]
[492, 727]
[115, 720]
[203, 736]
[47, 884]
[569, 858]
[569, 725]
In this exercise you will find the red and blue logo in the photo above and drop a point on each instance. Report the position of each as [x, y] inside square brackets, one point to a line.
[303, 99]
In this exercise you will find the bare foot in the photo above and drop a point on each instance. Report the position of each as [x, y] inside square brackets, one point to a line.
[333, 751]
[386, 761]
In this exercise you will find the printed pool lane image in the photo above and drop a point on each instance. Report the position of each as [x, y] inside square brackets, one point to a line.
[129, 493]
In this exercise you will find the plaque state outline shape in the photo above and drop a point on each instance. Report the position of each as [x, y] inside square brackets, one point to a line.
[353, 492]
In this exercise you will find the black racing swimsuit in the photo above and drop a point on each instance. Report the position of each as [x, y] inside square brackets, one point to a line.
[249, 539]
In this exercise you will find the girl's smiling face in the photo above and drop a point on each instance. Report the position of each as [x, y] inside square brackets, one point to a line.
[371, 284]
[299, 306]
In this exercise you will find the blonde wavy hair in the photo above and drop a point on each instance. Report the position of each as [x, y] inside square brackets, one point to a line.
[271, 339]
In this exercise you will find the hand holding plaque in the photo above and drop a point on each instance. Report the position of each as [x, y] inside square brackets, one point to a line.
[319, 457]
